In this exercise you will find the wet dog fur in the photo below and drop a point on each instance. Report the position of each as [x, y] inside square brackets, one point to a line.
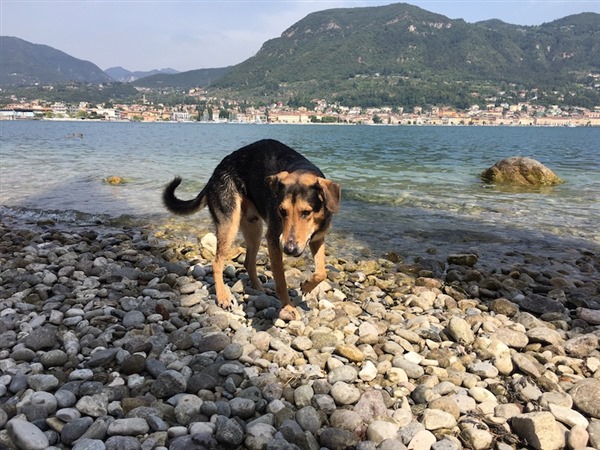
[266, 181]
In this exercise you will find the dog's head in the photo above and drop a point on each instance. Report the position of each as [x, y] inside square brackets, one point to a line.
[305, 203]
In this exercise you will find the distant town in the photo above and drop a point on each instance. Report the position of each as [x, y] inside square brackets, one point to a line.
[214, 110]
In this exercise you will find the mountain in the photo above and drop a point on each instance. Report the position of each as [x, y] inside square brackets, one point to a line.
[183, 80]
[126, 76]
[23, 63]
[382, 49]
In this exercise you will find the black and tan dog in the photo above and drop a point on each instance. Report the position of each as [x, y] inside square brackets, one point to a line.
[270, 181]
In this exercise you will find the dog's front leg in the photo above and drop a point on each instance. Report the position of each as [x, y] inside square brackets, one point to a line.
[223, 294]
[317, 248]
[288, 311]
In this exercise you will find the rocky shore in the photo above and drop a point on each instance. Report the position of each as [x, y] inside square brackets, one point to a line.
[110, 339]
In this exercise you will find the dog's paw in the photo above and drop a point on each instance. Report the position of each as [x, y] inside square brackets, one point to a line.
[309, 285]
[289, 313]
[225, 302]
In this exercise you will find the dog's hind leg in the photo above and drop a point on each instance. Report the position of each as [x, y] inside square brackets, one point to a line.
[317, 249]
[227, 228]
[251, 225]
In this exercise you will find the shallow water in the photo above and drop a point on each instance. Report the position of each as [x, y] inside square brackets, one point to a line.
[412, 190]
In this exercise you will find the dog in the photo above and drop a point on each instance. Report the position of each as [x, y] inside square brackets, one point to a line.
[266, 181]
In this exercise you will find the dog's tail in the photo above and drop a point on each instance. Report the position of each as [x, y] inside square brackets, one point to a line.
[182, 207]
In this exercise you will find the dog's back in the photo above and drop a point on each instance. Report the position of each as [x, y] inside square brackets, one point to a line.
[246, 170]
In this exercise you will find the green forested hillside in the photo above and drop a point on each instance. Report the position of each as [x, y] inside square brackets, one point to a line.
[26, 64]
[401, 50]
[183, 80]
[394, 55]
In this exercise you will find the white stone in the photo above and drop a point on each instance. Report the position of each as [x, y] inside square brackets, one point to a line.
[478, 439]
[481, 394]
[380, 430]
[423, 440]
[578, 437]
[396, 375]
[540, 429]
[368, 371]
[568, 416]
[434, 419]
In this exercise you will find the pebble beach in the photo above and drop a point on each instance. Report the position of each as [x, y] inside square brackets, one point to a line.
[111, 339]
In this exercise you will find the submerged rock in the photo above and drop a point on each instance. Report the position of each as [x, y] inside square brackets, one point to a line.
[520, 171]
[114, 179]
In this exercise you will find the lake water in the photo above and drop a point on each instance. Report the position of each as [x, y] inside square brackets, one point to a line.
[411, 190]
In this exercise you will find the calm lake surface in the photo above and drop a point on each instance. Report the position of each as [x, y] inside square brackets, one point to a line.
[411, 190]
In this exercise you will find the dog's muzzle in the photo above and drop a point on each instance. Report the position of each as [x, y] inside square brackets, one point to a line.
[292, 248]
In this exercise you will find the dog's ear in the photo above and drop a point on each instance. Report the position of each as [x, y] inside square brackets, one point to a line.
[272, 181]
[332, 193]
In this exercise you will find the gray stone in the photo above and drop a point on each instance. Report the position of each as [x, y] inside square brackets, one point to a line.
[68, 414]
[344, 373]
[212, 342]
[45, 400]
[89, 444]
[65, 398]
[258, 436]
[242, 407]
[229, 432]
[303, 395]
[26, 435]
[53, 358]
[337, 439]
[585, 396]
[309, 419]
[541, 305]
[168, 383]
[594, 431]
[187, 409]
[122, 443]
[42, 338]
[344, 393]
[102, 357]
[128, 427]
[93, 405]
[75, 429]
[581, 346]
[181, 340]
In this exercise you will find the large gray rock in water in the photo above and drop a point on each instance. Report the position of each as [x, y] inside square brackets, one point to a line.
[520, 171]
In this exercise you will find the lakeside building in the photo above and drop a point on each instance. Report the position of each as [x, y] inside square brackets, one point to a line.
[521, 114]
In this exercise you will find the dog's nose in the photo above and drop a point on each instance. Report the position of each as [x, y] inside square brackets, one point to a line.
[291, 248]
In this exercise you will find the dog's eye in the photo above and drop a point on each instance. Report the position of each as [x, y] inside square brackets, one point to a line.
[306, 214]
[282, 212]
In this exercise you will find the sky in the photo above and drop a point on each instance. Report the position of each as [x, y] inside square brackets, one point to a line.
[197, 34]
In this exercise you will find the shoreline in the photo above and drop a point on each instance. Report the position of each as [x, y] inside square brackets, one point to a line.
[111, 338]
[426, 123]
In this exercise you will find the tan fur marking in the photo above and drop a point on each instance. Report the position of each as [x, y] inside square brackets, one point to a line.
[226, 233]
